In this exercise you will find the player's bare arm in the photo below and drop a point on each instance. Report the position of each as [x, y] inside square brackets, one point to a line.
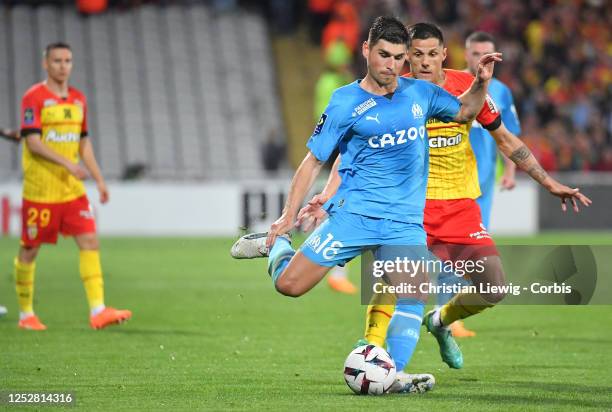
[508, 179]
[38, 148]
[519, 153]
[311, 215]
[473, 99]
[10, 135]
[89, 160]
[302, 181]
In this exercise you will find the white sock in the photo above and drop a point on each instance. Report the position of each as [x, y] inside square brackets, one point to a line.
[97, 310]
[437, 322]
[23, 315]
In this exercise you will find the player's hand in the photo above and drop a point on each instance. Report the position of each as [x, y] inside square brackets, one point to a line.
[282, 225]
[568, 194]
[77, 171]
[8, 134]
[103, 191]
[312, 215]
[486, 65]
[507, 182]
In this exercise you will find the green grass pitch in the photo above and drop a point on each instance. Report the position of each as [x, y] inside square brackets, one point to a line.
[209, 332]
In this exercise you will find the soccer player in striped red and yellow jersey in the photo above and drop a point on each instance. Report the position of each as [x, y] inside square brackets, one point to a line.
[54, 129]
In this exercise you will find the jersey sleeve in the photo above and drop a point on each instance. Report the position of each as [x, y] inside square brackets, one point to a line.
[329, 131]
[31, 108]
[509, 115]
[489, 116]
[84, 127]
[442, 105]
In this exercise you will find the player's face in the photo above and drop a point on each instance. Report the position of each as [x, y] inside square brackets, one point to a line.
[426, 58]
[385, 60]
[474, 51]
[58, 64]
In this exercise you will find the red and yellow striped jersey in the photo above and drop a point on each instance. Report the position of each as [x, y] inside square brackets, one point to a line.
[61, 122]
[452, 165]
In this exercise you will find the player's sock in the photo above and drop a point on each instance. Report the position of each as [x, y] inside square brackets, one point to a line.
[279, 257]
[377, 323]
[91, 275]
[24, 285]
[404, 330]
[378, 316]
[462, 306]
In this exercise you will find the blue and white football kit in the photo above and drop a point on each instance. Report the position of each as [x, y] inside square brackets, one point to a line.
[384, 167]
[485, 148]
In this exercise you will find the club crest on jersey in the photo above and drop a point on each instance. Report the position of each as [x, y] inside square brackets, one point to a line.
[28, 116]
[417, 111]
[320, 124]
[32, 232]
[364, 107]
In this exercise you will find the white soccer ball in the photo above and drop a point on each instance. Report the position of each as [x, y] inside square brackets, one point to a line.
[369, 370]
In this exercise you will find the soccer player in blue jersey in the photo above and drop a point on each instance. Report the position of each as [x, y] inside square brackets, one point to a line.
[478, 44]
[379, 126]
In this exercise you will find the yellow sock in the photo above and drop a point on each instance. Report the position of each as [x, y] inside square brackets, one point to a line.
[461, 306]
[91, 275]
[24, 285]
[379, 314]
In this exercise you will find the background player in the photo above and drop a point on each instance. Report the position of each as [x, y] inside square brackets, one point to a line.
[485, 151]
[379, 120]
[54, 127]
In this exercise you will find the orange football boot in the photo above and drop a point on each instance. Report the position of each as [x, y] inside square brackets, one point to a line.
[342, 285]
[109, 316]
[31, 323]
[458, 330]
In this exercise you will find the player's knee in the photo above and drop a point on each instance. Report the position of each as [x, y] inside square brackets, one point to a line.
[28, 254]
[289, 287]
[494, 297]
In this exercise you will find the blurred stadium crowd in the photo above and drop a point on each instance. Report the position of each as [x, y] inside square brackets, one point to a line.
[557, 61]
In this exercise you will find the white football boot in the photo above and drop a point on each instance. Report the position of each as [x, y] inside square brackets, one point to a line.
[3, 310]
[252, 246]
[412, 383]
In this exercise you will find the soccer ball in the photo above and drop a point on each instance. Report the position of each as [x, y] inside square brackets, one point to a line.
[369, 370]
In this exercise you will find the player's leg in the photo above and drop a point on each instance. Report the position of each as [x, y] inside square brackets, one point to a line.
[464, 305]
[78, 221]
[338, 280]
[24, 270]
[336, 241]
[39, 224]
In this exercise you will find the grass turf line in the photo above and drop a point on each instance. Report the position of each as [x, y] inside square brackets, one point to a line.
[209, 332]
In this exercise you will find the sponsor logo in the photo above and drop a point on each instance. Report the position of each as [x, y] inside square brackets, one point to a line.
[86, 214]
[482, 234]
[28, 116]
[365, 106]
[67, 114]
[375, 118]
[417, 111]
[320, 124]
[32, 232]
[399, 137]
[445, 141]
[491, 104]
[54, 136]
[49, 102]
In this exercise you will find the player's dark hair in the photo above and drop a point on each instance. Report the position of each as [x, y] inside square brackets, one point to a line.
[480, 37]
[424, 31]
[389, 29]
[56, 45]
